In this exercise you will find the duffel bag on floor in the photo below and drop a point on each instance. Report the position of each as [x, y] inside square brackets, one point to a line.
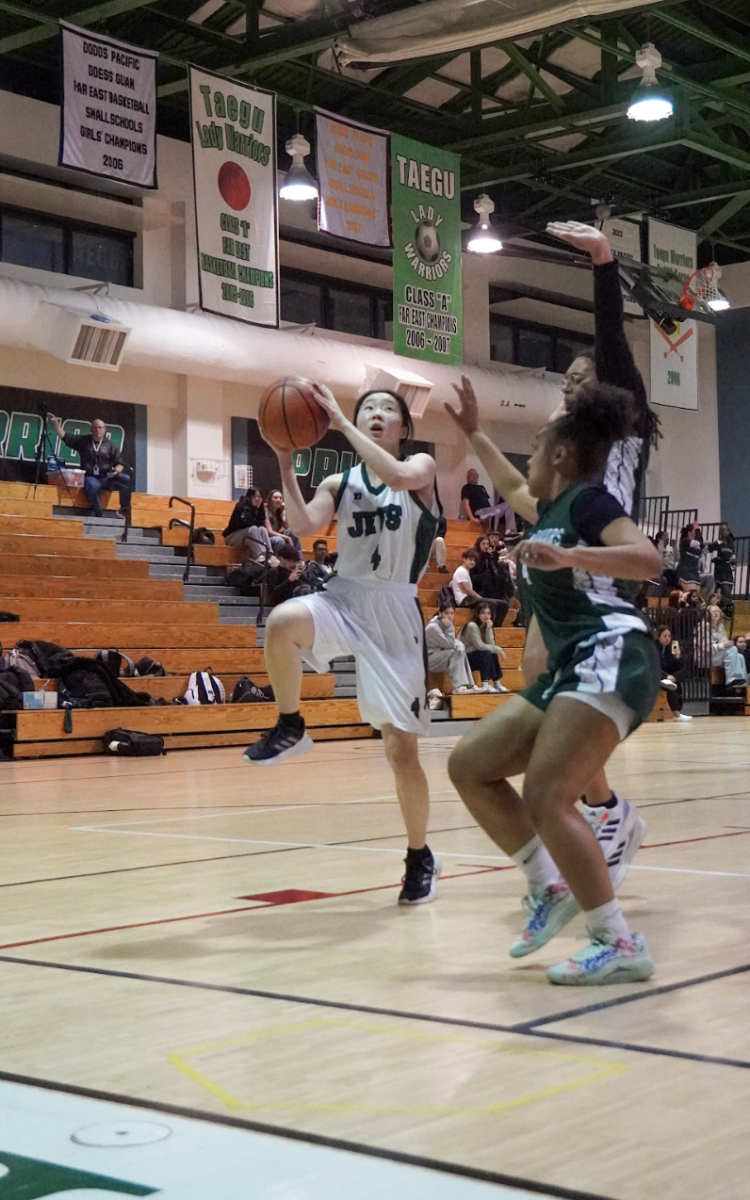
[131, 744]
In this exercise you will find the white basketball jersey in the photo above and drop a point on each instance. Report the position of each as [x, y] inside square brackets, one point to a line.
[622, 469]
[383, 535]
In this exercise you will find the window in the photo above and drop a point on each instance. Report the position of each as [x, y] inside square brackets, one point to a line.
[67, 247]
[301, 300]
[537, 346]
[346, 307]
[535, 349]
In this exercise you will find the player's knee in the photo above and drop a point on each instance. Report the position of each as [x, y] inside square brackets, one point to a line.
[282, 623]
[401, 752]
[461, 766]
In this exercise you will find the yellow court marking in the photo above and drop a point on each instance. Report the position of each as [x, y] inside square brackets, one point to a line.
[601, 1070]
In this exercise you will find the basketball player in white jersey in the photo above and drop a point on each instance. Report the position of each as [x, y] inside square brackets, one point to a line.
[388, 511]
[614, 820]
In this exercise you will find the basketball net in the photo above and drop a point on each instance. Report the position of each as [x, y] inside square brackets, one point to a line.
[703, 284]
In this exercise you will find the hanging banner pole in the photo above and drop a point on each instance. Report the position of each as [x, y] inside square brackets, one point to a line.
[426, 218]
[108, 110]
[234, 172]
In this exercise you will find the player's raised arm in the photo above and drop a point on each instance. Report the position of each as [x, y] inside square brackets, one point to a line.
[506, 478]
[626, 554]
[413, 475]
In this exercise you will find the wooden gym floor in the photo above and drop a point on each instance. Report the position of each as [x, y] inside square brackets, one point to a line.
[190, 933]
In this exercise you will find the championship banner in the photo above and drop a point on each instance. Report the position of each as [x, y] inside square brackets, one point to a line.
[674, 357]
[353, 180]
[624, 239]
[234, 174]
[108, 113]
[426, 218]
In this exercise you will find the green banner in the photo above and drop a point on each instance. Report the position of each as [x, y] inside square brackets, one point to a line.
[426, 217]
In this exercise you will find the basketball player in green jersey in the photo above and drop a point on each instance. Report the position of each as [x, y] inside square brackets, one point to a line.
[601, 681]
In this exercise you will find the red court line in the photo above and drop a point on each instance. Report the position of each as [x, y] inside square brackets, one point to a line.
[304, 897]
[710, 837]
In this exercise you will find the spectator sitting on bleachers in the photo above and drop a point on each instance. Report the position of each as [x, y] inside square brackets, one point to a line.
[673, 670]
[724, 653]
[101, 462]
[278, 524]
[317, 570]
[462, 585]
[491, 579]
[743, 648]
[473, 497]
[446, 653]
[478, 636]
[284, 581]
[248, 527]
[689, 572]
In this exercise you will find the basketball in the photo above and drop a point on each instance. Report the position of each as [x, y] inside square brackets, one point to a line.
[289, 416]
[234, 186]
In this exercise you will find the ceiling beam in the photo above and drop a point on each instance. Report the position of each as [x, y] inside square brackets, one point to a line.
[46, 27]
[725, 214]
[678, 19]
[525, 67]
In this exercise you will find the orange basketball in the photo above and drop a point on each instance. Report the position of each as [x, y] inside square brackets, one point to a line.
[289, 416]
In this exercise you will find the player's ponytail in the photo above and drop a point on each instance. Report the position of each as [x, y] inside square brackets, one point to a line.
[597, 416]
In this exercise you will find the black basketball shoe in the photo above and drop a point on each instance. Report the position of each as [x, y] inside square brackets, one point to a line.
[422, 871]
[278, 744]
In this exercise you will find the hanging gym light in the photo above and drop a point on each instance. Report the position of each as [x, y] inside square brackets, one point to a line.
[650, 102]
[483, 238]
[298, 183]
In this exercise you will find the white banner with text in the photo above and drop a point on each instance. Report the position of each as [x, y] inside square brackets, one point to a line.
[674, 356]
[234, 171]
[108, 113]
[352, 180]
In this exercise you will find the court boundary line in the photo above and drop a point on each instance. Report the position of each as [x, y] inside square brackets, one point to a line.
[315, 1139]
[523, 1029]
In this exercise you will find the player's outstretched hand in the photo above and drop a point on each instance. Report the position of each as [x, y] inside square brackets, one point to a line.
[541, 556]
[328, 401]
[584, 237]
[467, 416]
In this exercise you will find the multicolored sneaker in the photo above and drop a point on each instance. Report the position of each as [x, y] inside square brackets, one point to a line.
[603, 961]
[619, 831]
[422, 871]
[548, 913]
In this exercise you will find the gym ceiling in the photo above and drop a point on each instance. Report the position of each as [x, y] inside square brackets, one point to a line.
[539, 117]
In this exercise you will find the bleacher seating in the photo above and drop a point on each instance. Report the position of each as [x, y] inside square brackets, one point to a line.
[73, 581]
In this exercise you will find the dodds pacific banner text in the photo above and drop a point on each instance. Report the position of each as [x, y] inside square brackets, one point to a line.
[426, 218]
[109, 108]
[234, 170]
[353, 179]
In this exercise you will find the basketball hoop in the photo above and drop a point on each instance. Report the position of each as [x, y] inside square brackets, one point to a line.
[703, 285]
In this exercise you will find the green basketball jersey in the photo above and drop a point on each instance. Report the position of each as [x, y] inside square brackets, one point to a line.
[574, 606]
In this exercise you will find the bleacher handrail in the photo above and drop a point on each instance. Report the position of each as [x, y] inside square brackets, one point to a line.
[191, 532]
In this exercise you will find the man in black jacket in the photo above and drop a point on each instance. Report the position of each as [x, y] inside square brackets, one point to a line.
[101, 462]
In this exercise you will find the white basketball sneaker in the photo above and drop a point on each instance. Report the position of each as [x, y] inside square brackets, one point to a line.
[619, 831]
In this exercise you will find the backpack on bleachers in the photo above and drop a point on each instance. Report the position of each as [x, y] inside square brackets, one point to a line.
[203, 688]
[204, 537]
[86, 683]
[35, 657]
[247, 692]
[118, 663]
[148, 666]
[129, 743]
[445, 596]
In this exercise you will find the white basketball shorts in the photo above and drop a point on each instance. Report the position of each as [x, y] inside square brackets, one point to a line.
[381, 625]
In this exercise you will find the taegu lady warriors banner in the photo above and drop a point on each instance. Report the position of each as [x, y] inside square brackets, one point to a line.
[234, 171]
[426, 220]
